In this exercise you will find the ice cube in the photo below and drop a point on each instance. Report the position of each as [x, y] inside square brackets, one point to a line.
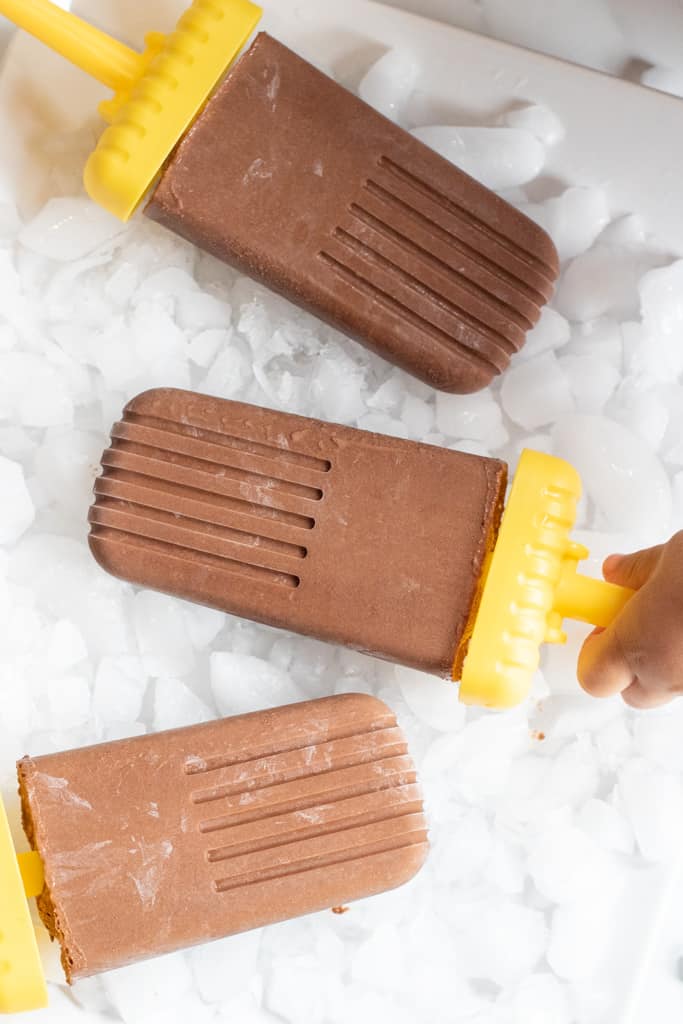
[69, 229]
[120, 684]
[205, 345]
[566, 865]
[67, 463]
[620, 473]
[652, 799]
[592, 380]
[389, 82]
[601, 339]
[166, 284]
[298, 991]
[627, 230]
[337, 389]
[176, 705]
[499, 158]
[603, 281]
[203, 624]
[535, 392]
[537, 119]
[661, 301]
[68, 701]
[434, 701]
[644, 412]
[606, 825]
[476, 417]
[226, 966]
[162, 635]
[200, 311]
[151, 992]
[33, 391]
[229, 373]
[575, 219]
[241, 683]
[501, 941]
[418, 416]
[16, 509]
[66, 646]
[552, 331]
[462, 850]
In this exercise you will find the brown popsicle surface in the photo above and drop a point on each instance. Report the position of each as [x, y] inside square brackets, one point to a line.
[295, 181]
[367, 541]
[160, 842]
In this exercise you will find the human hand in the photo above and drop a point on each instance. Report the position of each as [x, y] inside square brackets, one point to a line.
[640, 654]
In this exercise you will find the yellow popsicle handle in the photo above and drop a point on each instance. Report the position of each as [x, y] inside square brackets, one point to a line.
[531, 585]
[22, 981]
[31, 871]
[587, 599]
[157, 94]
[101, 56]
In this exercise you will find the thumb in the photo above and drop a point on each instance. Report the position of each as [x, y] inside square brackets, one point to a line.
[632, 570]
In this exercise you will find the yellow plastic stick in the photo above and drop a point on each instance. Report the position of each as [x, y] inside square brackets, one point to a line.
[96, 53]
[31, 871]
[22, 982]
[157, 94]
[532, 585]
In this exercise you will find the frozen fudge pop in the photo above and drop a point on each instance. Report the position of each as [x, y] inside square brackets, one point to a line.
[157, 843]
[270, 165]
[395, 548]
[355, 538]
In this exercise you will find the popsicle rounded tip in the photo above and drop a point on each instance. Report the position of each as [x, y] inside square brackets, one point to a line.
[22, 981]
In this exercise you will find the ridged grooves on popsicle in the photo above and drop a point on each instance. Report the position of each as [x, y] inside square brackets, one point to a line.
[337, 731]
[367, 804]
[543, 274]
[296, 764]
[207, 498]
[398, 218]
[314, 862]
[346, 783]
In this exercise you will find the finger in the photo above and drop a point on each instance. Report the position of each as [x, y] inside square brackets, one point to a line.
[638, 696]
[632, 570]
[603, 669]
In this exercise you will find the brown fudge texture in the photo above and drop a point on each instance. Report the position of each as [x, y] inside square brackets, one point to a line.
[161, 842]
[295, 181]
[358, 539]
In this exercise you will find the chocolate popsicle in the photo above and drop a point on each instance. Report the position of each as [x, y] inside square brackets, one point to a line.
[283, 173]
[295, 181]
[160, 842]
[355, 538]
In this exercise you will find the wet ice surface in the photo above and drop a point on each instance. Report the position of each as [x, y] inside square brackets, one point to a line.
[544, 820]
